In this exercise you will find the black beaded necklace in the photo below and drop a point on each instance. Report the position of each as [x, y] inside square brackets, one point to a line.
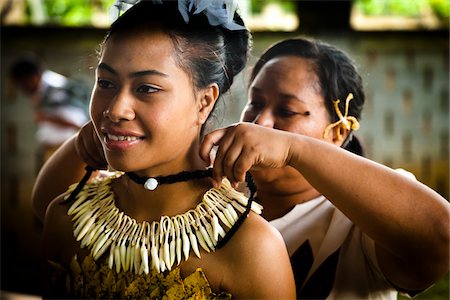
[151, 183]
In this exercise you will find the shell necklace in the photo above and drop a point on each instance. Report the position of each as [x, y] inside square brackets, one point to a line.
[138, 247]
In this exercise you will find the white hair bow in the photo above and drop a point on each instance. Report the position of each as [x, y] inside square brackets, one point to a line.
[218, 12]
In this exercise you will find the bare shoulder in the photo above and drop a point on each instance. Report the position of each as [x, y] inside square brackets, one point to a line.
[258, 230]
[257, 239]
[56, 213]
[57, 234]
[260, 258]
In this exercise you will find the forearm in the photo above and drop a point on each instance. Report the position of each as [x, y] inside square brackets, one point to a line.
[405, 218]
[62, 169]
[56, 120]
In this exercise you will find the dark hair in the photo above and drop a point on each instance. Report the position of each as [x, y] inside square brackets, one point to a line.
[210, 54]
[26, 65]
[336, 72]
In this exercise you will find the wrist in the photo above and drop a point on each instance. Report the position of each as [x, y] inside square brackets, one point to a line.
[295, 145]
[88, 147]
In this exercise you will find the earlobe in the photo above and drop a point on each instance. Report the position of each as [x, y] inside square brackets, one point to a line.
[339, 134]
[207, 101]
[335, 134]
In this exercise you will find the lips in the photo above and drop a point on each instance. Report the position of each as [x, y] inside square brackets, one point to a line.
[121, 137]
[120, 140]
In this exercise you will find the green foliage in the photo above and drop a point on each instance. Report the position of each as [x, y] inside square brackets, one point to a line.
[392, 7]
[441, 8]
[81, 12]
[258, 5]
[405, 8]
[69, 12]
[439, 291]
[72, 12]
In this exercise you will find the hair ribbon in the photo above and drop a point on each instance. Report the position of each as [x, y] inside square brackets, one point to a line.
[218, 12]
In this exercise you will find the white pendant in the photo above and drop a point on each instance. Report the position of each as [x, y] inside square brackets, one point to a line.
[151, 184]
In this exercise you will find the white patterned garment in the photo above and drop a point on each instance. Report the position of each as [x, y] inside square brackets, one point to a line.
[344, 264]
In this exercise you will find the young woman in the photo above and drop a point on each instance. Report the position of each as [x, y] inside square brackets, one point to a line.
[354, 229]
[159, 228]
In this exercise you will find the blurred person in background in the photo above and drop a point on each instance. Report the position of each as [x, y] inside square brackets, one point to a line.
[59, 103]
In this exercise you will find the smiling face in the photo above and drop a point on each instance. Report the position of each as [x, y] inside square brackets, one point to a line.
[143, 106]
[285, 95]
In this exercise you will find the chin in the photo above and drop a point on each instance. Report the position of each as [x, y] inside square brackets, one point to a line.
[270, 175]
[276, 175]
[122, 165]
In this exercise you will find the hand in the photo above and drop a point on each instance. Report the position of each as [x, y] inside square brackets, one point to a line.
[89, 147]
[245, 146]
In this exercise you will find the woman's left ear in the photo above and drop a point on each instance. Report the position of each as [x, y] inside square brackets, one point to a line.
[340, 134]
[207, 101]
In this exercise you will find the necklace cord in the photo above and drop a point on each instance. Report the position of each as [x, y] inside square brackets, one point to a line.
[80, 185]
[252, 187]
[182, 176]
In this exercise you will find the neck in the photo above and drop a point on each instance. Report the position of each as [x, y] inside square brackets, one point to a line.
[277, 205]
[278, 196]
[169, 199]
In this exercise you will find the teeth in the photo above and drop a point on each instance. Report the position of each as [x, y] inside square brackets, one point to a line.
[122, 137]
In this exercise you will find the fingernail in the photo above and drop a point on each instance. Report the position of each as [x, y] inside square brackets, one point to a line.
[215, 183]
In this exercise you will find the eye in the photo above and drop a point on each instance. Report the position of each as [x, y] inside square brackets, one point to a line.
[255, 105]
[286, 113]
[105, 84]
[147, 89]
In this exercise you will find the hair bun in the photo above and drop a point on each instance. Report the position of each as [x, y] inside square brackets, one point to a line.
[237, 45]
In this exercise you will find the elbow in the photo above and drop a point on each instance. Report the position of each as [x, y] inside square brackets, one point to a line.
[428, 261]
[436, 263]
[442, 245]
[436, 243]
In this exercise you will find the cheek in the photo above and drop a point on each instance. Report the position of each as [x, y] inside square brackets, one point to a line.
[170, 116]
[97, 106]
[247, 115]
[309, 127]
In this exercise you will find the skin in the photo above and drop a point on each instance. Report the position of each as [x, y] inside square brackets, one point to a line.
[411, 233]
[142, 92]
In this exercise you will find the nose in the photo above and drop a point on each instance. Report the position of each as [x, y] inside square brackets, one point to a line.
[265, 118]
[120, 108]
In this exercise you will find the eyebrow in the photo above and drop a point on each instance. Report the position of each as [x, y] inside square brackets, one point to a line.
[110, 69]
[285, 96]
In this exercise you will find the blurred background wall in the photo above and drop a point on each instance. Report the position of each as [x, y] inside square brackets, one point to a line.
[405, 123]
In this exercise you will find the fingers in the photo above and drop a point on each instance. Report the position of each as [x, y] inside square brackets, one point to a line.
[209, 141]
[89, 147]
[226, 153]
[232, 159]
